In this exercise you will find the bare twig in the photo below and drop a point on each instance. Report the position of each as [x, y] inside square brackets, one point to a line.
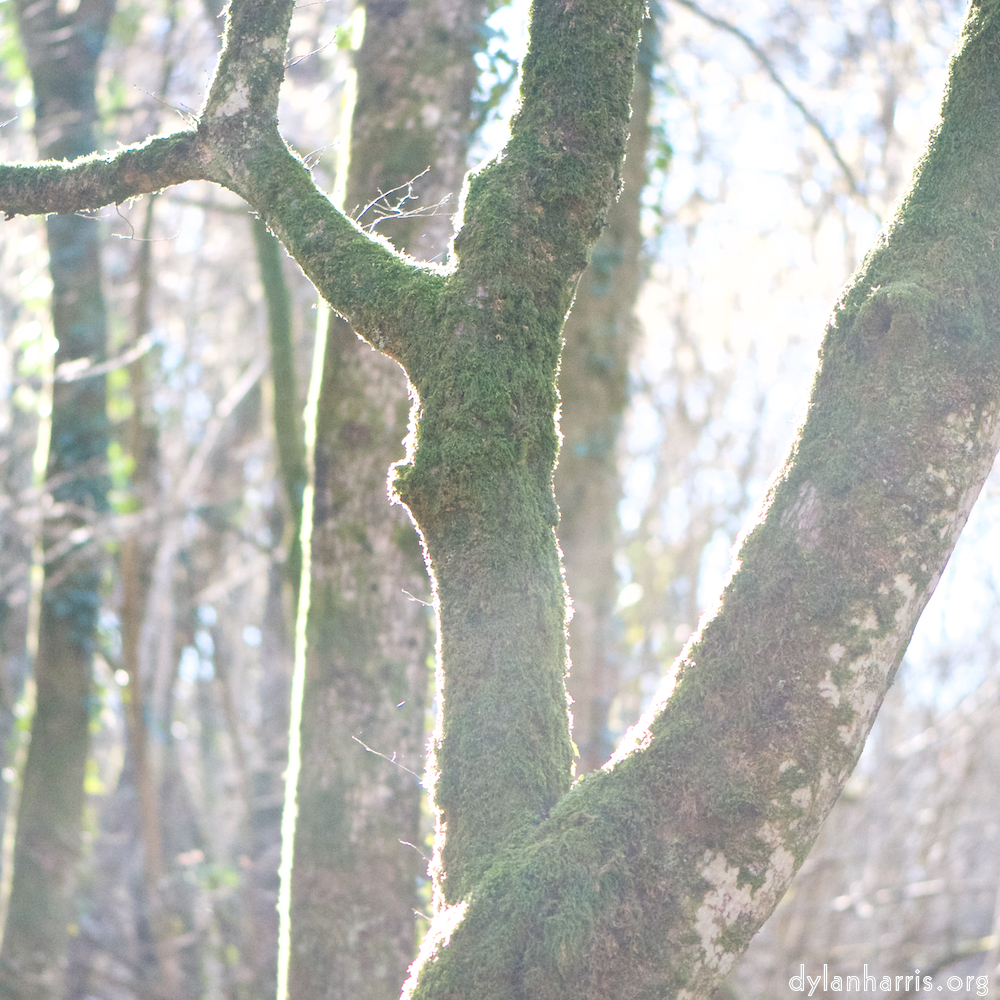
[386, 209]
[73, 371]
[810, 118]
[391, 760]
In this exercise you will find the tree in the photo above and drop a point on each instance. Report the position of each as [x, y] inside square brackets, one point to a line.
[357, 860]
[62, 51]
[651, 874]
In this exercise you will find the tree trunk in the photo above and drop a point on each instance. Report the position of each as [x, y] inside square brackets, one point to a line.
[18, 443]
[134, 565]
[62, 50]
[287, 423]
[358, 841]
[593, 387]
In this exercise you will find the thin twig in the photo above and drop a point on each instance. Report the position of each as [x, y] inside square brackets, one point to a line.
[391, 760]
[384, 195]
[73, 371]
[386, 210]
[810, 118]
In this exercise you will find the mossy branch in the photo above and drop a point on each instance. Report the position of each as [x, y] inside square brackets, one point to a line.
[236, 144]
[251, 64]
[381, 293]
[534, 214]
[98, 180]
[387, 298]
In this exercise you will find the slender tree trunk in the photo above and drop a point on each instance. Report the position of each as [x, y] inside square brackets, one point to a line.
[358, 842]
[134, 561]
[288, 433]
[593, 386]
[266, 784]
[17, 446]
[62, 51]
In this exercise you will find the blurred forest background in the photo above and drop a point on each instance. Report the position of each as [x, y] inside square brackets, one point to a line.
[769, 144]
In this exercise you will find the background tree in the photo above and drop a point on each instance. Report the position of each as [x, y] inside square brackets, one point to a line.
[599, 336]
[61, 51]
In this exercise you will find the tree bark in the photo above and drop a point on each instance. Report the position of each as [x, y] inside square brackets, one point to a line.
[62, 51]
[593, 387]
[358, 840]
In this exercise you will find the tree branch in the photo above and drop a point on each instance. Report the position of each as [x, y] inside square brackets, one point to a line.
[237, 145]
[251, 64]
[102, 179]
[383, 295]
[810, 118]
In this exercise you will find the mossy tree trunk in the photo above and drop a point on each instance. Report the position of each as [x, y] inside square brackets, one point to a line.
[358, 840]
[649, 876]
[62, 50]
[593, 387]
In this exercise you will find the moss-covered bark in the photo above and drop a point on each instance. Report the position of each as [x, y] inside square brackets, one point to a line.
[651, 877]
[593, 387]
[358, 839]
[479, 482]
[61, 51]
